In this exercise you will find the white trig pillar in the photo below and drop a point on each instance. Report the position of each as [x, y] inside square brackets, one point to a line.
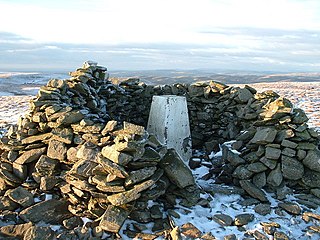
[169, 122]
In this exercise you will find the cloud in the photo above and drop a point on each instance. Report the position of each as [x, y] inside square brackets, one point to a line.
[231, 48]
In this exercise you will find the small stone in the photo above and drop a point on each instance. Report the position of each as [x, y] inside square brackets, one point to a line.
[259, 235]
[56, 211]
[30, 156]
[269, 162]
[264, 136]
[280, 236]
[243, 219]
[7, 204]
[39, 232]
[120, 158]
[176, 169]
[72, 222]
[113, 219]
[190, 231]
[252, 190]
[57, 150]
[260, 179]
[312, 160]
[275, 177]
[262, 209]
[20, 196]
[222, 219]
[257, 167]
[272, 153]
[112, 167]
[17, 231]
[208, 236]
[141, 216]
[291, 168]
[242, 172]
[289, 144]
[230, 237]
[47, 183]
[291, 208]
[311, 178]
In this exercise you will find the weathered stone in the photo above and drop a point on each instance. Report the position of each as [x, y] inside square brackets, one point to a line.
[272, 153]
[260, 179]
[7, 204]
[264, 136]
[46, 166]
[311, 178]
[56, 211]
[230, 237]
[139, 175]
[259, 235]
[141, 216]
[84, 168]
[280, 236]
[292, 208]
[257, 167]
[241, 172]
[243, 219]
[190, 231]
[20, 196]
[232, 157]
[262, 209]
[289, 144]
[18, 230]
[20, 171]
[69, 118]
[269, 162]
[36, 138]
[222, 219]
[39, 233]
[176, 170]
[312, 160]
[30, 156]
[133, 128]
[110, 126]
[252, 190]
[48, 183]
[275, 177]
[72, 222]
[64, 135]
[57, 150]
[291, 168]
[112, 167]
[111, 153]
[113, 219]
[244, 95]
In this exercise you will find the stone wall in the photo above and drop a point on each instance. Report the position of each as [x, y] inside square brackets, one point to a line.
[81, 141]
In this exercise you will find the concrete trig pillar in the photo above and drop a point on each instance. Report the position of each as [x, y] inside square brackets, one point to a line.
[169, 122]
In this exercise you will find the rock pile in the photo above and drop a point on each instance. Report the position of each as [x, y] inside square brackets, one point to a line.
[84, 143]
[95, 167]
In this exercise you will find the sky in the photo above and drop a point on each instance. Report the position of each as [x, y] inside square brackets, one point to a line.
[246, 35]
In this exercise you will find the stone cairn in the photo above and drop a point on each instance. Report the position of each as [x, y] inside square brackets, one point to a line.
[84, 142]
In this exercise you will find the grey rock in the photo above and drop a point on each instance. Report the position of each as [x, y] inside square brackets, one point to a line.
[30, 156]
[243, 219]
[244, 95]
[112, 167]
[260, 179]
[257, 167]
[311, 178]
[72, 222]
[280, 236]
[269, 162]
[291, 168]
[275, 177]
[20, 196]
[56, 211]
[242, 172]
[272, 153]
[222, 219]
[312, 160]
[113, 219]
[120, 158]
[262, 209]
[39, 233]
[57, 150]
[139, 175]
[141, 216]
[264, 136]
[252, 190]
[289, 144]
[176, 170]
[288, 152]
[7, 204]
[18, 230]
[291, 208]
[69, 118]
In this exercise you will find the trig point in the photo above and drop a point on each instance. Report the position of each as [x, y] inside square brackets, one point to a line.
[169, 122]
